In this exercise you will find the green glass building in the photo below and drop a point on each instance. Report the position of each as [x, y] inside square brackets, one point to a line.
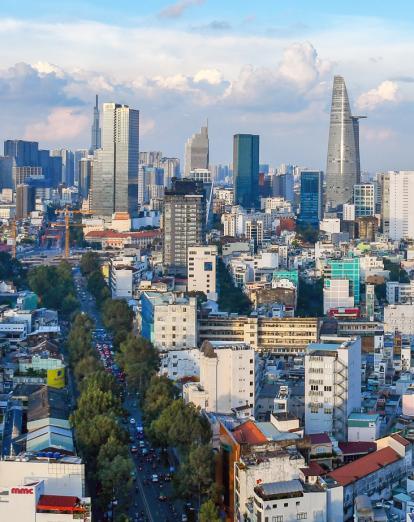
[345, 269]
[246, 170]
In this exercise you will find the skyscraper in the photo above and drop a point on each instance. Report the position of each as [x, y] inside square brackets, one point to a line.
[95, 130]
[184, 222]
[25, 153]
[343, 164]
[400, 209]
[25, 200]
[197, 152]
[246, 170]
[310, 197]
[115, 168]
[85, 176]
[68, 165]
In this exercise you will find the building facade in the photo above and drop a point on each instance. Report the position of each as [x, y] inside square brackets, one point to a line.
[246, 170]
[401, 209]
[202, 270]
[197, 152]
[311, 190]
[343, 163]
[115, 167]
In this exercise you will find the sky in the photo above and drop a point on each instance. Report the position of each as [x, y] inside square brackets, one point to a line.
[263, 67]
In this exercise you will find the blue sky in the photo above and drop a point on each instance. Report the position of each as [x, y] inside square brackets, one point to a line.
[264, 67]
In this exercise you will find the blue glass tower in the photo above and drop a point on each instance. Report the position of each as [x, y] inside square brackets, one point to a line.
[310, 197]
[246, 170]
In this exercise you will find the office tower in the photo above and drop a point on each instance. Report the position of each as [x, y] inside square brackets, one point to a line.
[184, 221]
[401, 205]
[332, 386]
[311, 193]
[367, 227]
[78, 155]
[202, 263]
[68, 165]
[246, 170]
[25, 200]
[22, 174]
[25, 153]
[364, 199]
[96, 129]
[85, 176]
[204, 176]
[6, 172]
[171, 168]
[343, 164]
[383, 179]
[148, 179]
[346, 268]
[254, 232]
[197, 152]
[115, 169]
[151, 158]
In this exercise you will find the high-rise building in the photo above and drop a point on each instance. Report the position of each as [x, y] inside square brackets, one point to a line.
[78, 155]
[364, 199]
[25, 200]
[202, 263]
[197, 152]
[96, 129]
[150, 158]
[346, 268]
[246, 170]
[25, 153]
[68, 165]
[6, 172]
[115, 169]
[332, 386]
[383, 179]
[311, 191]
[343, 164]
[85, 176]
[22, 174]
[184, 222]
[401, 208]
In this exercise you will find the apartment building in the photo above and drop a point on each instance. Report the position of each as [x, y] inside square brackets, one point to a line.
[202, 267]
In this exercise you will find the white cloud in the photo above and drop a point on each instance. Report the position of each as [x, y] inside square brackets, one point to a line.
[211, 76]
[61, 125]
[386, 92]
[178, 8]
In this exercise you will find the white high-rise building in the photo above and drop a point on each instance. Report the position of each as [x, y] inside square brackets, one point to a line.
[227, 378]
[332, 385]
[337, 294]
[197, 152]
[115, 168]
[401, 208]
[202, 263]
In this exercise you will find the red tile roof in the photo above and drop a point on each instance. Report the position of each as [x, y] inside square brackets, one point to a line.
[319, 438]
[364, 466]
[57, 501]
[400, 439]
[248, 433]
[314, 469]
[350, 448]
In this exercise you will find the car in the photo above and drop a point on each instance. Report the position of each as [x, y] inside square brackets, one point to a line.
[184, 518]
[134, 449]
[132, 420]
[142, 444]
[154, 478]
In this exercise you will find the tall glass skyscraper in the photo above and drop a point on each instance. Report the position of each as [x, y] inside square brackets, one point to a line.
[197, 152]
[115, 168]
[343, 164]
[96, 129]
[310, 197]
[246, 170]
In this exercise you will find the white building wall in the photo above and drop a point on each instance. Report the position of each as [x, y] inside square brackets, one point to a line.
[401, 209]
[202, 267]
[399, 318]
[175, 325]
[178, 364]
[337, 295]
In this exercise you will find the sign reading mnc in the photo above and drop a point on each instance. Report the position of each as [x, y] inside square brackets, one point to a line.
[22, 491]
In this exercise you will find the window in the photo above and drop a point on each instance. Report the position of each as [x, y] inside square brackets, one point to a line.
[286, 504]
[277, 518]
[327, 388]
[301, 516]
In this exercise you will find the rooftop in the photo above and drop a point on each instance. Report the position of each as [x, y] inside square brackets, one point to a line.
[320, 438]
[364, 466]
[275, 490]
[249, 433]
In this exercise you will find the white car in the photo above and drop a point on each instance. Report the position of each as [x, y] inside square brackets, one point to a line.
[132, 420]
[154, 478]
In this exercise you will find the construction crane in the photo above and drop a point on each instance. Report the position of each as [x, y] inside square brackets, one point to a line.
[67, 214]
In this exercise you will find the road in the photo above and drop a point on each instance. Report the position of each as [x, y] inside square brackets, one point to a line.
[147, 502]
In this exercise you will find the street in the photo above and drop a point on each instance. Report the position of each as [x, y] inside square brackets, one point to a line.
[152, 492]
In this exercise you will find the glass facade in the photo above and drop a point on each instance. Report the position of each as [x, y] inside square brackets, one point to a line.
[364, 199]
[343, 165]
[310, 197]
[246, 170]
[346, 269]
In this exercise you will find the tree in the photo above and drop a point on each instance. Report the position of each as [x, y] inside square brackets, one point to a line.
[79, 340]
[139, 360]
[102, 381]
[86, 366]
[11, 269]
[310, 298]
[231, 298]
[158, 396]
[196, 473]
[89, 263]
[97, 287]
[93, 402]
[209, 512]
[117, 317]
[180, 425]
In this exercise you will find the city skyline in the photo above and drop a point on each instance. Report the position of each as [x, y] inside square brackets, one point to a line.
[271, 77]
